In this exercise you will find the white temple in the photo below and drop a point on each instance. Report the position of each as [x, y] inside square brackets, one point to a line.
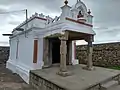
[42, 41]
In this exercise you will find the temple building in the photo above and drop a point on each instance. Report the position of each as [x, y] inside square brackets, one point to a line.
[42, 41]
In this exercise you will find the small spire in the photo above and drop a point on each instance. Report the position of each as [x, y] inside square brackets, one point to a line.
[89, 12]
[78, 1]
[66, 2]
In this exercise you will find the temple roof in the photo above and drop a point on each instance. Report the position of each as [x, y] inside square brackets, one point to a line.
[75, 18]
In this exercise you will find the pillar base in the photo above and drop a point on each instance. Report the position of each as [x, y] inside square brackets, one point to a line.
[46, 66]
[64, 74]
[89, 68]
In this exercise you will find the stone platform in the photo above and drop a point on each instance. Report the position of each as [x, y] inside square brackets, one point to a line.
[47, 79]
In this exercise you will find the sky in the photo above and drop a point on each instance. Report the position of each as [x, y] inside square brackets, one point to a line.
[106, 16]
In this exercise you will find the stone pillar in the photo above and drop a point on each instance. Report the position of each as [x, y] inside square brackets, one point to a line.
[50, 53]
[46, 52]
[89, 53]
[63, 53]
[89, 39]
[70, 52]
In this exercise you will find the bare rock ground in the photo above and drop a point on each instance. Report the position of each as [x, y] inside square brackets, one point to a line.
[11, 81]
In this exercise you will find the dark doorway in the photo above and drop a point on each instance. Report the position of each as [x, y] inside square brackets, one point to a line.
[55, 51]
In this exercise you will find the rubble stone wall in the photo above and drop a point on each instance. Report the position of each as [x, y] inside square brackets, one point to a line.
[39, 83]
[105, 55]
[4, 54]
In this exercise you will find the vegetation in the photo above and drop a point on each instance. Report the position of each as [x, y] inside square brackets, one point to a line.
[115, 67]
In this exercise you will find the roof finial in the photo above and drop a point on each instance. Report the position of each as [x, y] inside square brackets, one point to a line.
[89, 12]
[66, 2]
[78, 1]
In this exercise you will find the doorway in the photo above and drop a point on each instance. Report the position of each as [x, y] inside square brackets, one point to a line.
[55, 51]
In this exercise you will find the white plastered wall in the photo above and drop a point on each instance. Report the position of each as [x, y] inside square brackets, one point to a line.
[23, 63]
[12, 58]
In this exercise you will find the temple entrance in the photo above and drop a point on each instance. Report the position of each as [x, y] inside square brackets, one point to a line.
[52, 50]
[55, 51]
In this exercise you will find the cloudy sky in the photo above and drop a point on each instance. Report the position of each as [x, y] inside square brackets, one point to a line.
[106, 16]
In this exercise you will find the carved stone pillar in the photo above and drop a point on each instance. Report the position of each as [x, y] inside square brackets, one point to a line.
[70, 52]
[46, 52]
[63, 53]
[50, 53]
[89, 53]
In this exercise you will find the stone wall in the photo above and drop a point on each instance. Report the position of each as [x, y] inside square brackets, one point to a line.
[39, 83]
[4, 54]
[105, 55]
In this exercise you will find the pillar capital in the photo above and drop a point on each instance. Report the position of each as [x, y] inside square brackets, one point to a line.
[89, 38]
[62, 38]
[90, 44]
[92, 38]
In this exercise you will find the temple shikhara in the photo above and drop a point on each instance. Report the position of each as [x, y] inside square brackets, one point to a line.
[43, 49]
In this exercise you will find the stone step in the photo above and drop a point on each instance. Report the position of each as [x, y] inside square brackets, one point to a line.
[109, 84]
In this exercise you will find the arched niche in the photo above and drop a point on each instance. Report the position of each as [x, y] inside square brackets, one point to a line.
[81, 6]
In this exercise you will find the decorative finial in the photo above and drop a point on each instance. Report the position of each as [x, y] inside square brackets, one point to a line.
[36, 14]
[89, 12]
[78, 1]
[66, 2]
